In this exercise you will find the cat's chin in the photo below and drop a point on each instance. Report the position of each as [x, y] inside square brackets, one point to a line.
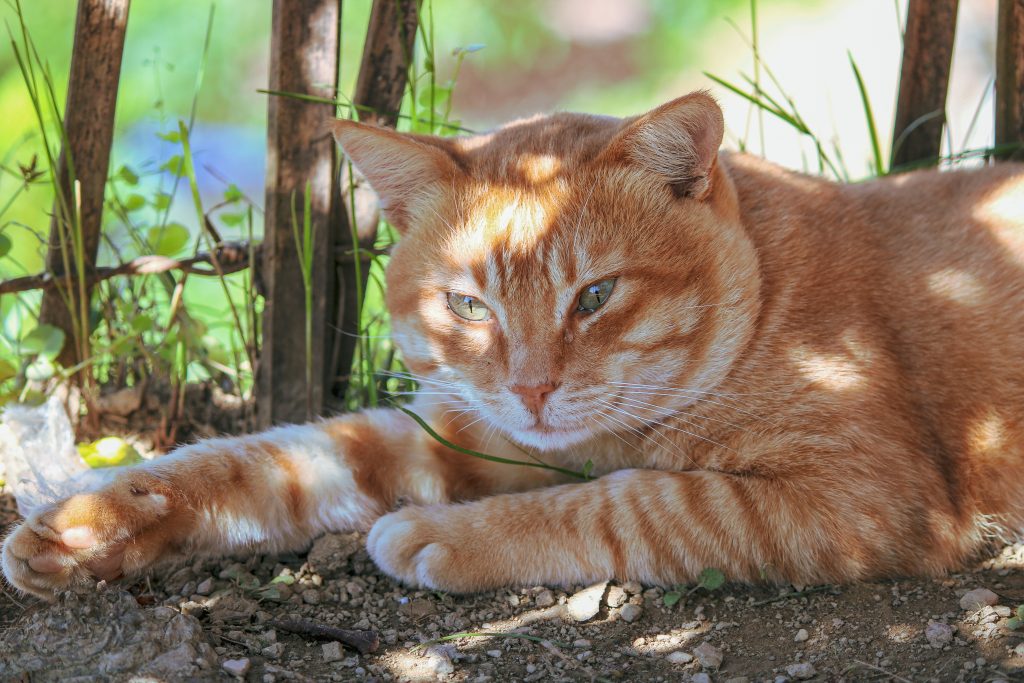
[550, 439]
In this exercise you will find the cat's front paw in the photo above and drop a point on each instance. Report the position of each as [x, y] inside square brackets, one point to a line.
[103, 535]
[424, 547]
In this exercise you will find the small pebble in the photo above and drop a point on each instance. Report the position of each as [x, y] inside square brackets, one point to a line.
[978, 598]
[205, 586]
[939, 634]
[332, 651]
[709, 656]
[545, 598]
[801, 671]
[632, 587]
[494, 653]
[630, 613]
[581, 643]
[237, 667]
[311, 596]
[616, 596]
[679, 657]
[701, 677]
[1002, 610]
[801, 636]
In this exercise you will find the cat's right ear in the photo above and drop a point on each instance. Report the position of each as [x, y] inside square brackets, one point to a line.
[408, 175]
[678, 142]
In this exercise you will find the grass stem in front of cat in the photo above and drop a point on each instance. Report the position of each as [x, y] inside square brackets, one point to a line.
[584, 474]
[482, 634]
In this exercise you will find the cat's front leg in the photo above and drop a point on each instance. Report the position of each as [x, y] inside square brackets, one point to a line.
[657, 527]
[272, 491]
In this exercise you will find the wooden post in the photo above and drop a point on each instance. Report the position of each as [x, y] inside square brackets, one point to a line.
[303, 59]
[924, 78]
[387, 52]
[89, 126]
[1010, 77]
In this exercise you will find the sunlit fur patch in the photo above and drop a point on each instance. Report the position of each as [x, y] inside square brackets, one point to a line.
[956, 285]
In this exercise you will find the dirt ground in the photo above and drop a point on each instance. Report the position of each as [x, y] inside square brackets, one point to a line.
[231, 618]
[217, 619]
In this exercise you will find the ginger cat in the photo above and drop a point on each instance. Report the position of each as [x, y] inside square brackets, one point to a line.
[775, 375]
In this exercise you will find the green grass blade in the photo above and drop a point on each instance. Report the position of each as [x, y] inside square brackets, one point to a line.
[876, 148]
[483, 456]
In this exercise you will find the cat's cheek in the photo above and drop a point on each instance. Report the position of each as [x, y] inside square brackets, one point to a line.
[410, 547]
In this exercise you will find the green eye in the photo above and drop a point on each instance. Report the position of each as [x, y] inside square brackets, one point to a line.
[594, 296]
[467, 307]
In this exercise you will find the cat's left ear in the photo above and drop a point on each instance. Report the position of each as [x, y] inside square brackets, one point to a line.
[678, 141]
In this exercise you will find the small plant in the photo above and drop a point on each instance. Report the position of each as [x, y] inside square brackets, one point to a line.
[710, 580]
[1016, 622]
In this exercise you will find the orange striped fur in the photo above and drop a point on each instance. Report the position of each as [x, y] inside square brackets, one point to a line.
[790, 379]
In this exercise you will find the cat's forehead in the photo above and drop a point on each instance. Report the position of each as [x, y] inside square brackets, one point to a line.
[535, 150]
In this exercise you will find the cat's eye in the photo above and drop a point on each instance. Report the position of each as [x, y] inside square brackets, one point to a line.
[468, 307]
[594, 296]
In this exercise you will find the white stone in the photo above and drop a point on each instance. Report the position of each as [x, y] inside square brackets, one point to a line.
[801, 636]
[237, 667]
[585, 605]
[679, 657]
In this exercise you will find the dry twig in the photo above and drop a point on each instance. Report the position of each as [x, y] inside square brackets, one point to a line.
[363, 641]
[232, 257]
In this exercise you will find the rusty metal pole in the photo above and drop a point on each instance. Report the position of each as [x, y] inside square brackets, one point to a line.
[89, 127]
[303, 59]
[380, 87]
[924, 80]
[1010, 78]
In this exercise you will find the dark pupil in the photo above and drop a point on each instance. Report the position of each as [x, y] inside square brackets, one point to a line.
[468, 301]
[596, 291]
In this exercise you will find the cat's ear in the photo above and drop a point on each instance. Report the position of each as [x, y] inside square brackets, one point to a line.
[407, 174]
[678, 141]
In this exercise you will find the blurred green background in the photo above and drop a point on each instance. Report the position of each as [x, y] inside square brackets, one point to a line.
[615, 57]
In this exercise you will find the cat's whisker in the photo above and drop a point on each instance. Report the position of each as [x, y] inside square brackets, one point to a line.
[674, 450]
[679, 429]
[668, 412]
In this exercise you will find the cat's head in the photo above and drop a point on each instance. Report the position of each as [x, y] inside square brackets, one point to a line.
[558, 268]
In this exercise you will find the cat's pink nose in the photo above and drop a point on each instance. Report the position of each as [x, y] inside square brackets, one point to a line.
[533, 395]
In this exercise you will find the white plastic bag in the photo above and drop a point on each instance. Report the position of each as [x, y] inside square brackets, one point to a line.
[41, 464]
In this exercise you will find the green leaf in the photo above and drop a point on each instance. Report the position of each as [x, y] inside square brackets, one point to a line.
[1020, 612]
[134, 202]
[440, 96]
[232, 218]
[170, 136]
[7, 371]
[141, 323]
[44, 341]
[588, 467]
[671, 598]
[1014, 623]
[162, 200]
[232, 194]
[40, 369]
[5, 245]
[168, 240]
[286, 579]
[126, 174]
[711, 579]
[175, 165]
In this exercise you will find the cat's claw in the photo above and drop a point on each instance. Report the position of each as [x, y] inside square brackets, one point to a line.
[84, 538]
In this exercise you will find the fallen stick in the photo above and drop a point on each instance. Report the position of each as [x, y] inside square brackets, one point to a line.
[364, 641]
